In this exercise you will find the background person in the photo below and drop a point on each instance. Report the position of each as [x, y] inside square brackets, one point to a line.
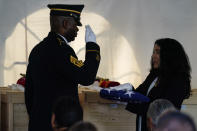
[66, 112]
[169, 78]
[175, 121]
[83, 126]
[156, 108]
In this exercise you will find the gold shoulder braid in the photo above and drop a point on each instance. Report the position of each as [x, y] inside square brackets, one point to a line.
[97, 56]
[93, 51]
[76, 62]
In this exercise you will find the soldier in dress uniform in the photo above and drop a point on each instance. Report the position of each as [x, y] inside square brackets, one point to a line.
[54, 69]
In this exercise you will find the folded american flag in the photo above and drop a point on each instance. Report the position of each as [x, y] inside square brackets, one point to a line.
[123, 95]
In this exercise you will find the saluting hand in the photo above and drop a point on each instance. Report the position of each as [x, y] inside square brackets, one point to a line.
[89, 35]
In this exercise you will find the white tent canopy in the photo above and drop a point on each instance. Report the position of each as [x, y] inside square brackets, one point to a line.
[126, 31]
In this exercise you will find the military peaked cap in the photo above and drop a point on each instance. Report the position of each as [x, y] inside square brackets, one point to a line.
[67, 10]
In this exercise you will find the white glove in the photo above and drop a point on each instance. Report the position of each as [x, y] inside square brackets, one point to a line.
[89, 35]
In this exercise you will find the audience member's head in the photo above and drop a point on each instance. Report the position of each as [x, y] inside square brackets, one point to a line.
[175, 121]
[83, 126]
[66, 112]
[155, 109]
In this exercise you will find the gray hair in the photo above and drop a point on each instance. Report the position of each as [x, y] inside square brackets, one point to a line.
[180, 117]
[157, 107]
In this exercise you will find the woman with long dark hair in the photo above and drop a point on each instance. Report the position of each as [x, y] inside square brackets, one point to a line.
[169, 78]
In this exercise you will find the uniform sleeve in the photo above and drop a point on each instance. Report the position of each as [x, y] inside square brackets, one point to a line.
[28, 91]
[81, 72]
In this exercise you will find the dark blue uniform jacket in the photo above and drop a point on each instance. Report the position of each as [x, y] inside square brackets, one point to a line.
[53, 71]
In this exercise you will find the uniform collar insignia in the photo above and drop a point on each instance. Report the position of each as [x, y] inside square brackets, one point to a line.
[65, 40]
[61, 42]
